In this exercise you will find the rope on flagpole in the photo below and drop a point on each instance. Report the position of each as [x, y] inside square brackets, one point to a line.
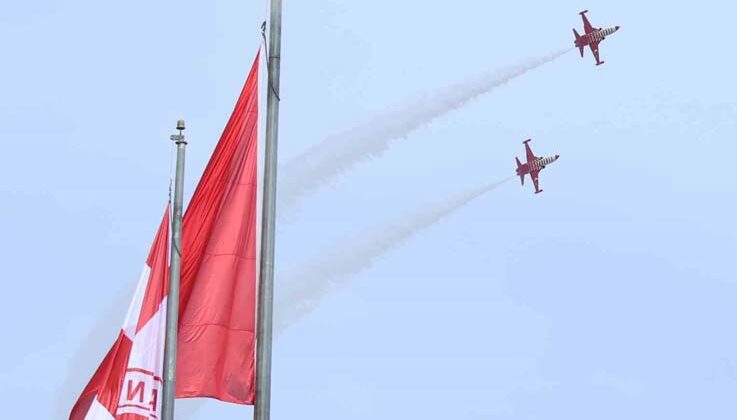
[268, 59]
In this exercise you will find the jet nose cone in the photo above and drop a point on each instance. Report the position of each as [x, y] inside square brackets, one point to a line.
[556, 157]
[616, 28]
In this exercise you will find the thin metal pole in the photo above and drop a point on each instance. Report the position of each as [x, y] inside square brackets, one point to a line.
[172, 305]
[262, 405]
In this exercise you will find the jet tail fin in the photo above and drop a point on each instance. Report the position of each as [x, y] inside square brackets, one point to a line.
[521, 176]
[578, 37]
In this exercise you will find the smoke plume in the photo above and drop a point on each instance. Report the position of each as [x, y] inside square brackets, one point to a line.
[340, 152]
[309, 284]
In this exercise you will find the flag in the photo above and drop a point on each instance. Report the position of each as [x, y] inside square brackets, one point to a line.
[218, 281]
[128, 385]
[217, 305]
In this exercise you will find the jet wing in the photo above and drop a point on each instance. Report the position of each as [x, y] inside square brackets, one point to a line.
[595, 50]
[530, 156]
[586, 24]
[534, 176]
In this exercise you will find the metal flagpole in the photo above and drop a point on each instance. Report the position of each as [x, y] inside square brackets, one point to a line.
[172, 301]
[262, 405]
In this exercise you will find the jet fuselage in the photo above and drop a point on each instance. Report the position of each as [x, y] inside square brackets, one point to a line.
[595, 36]
[536, 165]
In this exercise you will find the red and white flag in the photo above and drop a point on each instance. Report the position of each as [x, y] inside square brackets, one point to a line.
[127, 385]
[217, 294]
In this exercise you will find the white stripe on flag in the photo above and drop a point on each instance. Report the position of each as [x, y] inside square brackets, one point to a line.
[98, 412]
[134, 310]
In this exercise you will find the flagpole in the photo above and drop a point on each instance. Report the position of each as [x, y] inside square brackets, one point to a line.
[262, 404]
[172, 305]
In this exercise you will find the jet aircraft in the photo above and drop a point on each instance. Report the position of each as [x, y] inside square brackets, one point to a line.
[533, 166]
[592, 37]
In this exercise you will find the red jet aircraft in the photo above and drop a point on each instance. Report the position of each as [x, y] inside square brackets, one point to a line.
[533, 166]
[592, 37]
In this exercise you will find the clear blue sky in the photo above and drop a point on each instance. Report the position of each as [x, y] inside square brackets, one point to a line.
[609, 296]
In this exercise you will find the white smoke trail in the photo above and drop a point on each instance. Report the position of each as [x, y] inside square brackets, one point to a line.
[309, 284]
[340, 152]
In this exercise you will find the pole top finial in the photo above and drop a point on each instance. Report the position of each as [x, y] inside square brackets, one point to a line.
[179, 138]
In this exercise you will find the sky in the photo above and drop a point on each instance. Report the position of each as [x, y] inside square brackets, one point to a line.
[610, 295]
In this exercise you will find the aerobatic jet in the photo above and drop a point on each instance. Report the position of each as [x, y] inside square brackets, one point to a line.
[533, 166]
[592, 37]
